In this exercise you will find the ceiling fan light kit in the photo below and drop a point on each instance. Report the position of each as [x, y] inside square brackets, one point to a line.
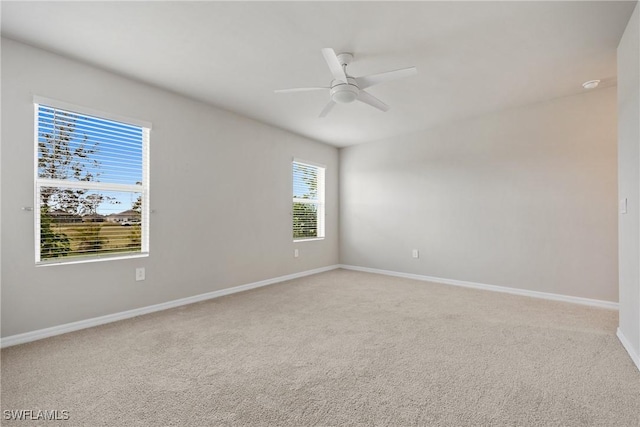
[345, 88]
[344, 92]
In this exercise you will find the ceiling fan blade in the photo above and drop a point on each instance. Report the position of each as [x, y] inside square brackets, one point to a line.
[300, 89]
[334, 64]
[367, 98]
[327, 108]
[368, 81]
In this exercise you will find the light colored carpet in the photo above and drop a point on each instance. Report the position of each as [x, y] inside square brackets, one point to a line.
[338, 348]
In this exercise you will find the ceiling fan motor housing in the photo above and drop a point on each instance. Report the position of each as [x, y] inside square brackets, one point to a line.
[344, 92]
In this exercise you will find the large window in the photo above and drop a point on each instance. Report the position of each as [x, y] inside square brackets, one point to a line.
[308, 200]
[92, 185]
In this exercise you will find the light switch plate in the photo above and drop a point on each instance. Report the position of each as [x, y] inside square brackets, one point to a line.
[623, 206]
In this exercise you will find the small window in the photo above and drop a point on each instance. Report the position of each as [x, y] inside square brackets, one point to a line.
[308, 201]
[92, 186]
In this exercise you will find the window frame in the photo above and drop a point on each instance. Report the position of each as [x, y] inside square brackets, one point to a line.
[320, 202]
[143, 188]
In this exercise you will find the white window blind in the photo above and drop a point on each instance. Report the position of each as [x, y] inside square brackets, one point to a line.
[92, 186]
[308, 201]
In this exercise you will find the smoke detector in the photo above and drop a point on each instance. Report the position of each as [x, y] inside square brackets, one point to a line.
[591, 84]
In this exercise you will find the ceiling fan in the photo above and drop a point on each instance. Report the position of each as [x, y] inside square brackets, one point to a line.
[345, 88]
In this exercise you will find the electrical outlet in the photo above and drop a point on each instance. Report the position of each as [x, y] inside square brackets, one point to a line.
[139, 274]
[415, 253]
[295, 253]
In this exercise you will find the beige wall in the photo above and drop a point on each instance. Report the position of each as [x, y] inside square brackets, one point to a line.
[220, 188]
[629, 180]
[524, 198]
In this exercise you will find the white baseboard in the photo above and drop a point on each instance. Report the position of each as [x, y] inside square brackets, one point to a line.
[88, 323]
[515, 291]
[627, 346]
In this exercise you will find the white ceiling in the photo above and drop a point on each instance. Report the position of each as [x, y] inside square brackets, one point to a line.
[472, 57]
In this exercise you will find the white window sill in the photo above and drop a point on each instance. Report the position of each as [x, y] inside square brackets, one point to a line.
[58, 261]
[313, 239]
